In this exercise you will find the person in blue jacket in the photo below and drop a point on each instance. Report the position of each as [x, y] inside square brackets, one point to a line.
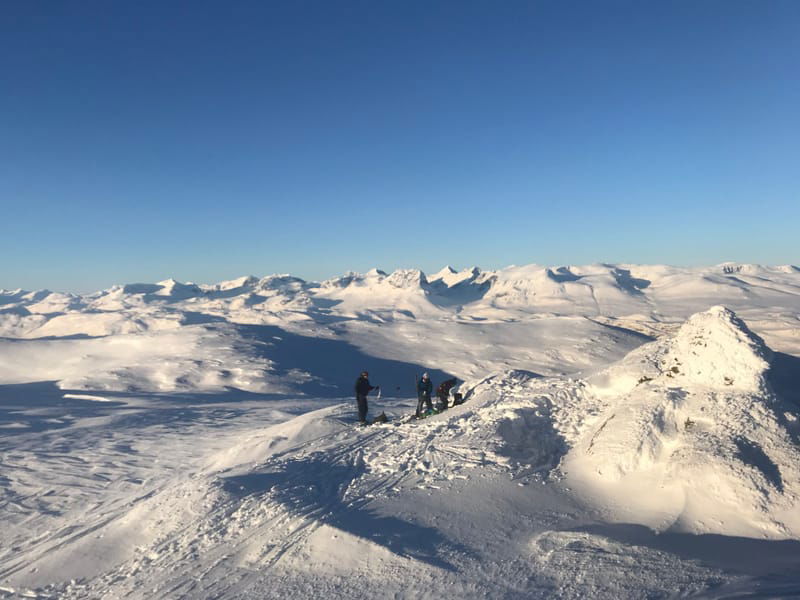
[424, 389]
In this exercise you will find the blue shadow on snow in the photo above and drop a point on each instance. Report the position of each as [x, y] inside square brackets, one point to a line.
[336, 364]
[313, 488]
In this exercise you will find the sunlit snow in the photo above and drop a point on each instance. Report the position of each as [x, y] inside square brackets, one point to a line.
[629, 431]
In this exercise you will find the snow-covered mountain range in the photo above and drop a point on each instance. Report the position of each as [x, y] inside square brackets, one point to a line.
[611, 290]
[629, 431]
[465, 323]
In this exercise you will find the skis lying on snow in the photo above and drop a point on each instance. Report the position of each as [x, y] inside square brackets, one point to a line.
[424, 415]
[381, 418]
[384, 418]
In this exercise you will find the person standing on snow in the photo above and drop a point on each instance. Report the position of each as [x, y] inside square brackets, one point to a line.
[362, 389]
[424, 389]
[443, 393]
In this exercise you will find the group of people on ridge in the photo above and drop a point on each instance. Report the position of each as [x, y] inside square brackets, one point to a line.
[424, 392]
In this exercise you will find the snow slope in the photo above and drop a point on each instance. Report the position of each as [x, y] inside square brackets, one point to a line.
[310, 507]
[624, 436]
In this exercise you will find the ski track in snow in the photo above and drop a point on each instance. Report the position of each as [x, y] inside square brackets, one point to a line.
[179, 441]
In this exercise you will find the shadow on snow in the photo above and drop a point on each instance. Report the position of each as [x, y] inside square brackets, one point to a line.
[27, 408]
[784, 377]
[334, 364]
[778, 559]
[314, 488]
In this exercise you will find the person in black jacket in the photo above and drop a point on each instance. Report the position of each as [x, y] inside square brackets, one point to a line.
[362, 389]
[443, 392]
[424, 389]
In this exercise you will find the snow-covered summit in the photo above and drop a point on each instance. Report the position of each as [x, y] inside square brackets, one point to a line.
[177, 290]
[731, 268]
[354, 278]
[788, 269]
[690, 416]
[170, 289]
[445, 271]
[450, 277]
[407, 279]
[715, 348]
[402, 292]
[240, 283]
[589, 290]
[375, 278]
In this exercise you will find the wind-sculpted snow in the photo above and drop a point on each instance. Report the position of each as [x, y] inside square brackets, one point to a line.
[683, 434]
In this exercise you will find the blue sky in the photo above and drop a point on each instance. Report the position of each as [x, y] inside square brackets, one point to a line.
[208, 140]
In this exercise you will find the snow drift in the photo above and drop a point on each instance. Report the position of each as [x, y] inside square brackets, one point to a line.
[683, 434]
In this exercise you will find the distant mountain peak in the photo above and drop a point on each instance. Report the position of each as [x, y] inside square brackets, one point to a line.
[407, 278]
[240, 282]
[451, 277]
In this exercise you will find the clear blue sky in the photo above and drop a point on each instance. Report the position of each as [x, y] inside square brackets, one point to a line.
[207, 140]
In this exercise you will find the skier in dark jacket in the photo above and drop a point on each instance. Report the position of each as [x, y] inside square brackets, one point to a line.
[443, 393]
[424, 389]
[362, 389]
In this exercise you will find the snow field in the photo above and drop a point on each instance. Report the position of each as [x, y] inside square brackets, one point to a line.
[622, 436]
